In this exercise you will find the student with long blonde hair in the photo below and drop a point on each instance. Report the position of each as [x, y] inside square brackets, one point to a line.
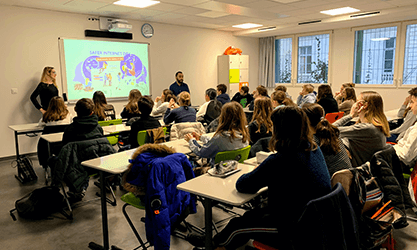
[368, 135]
[231, 134]
[56, 114]
[46, 89]
[261, 124]
[182, 112]
[131, 110]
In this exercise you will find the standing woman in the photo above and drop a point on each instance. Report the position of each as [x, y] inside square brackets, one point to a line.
[131, 110]
[368, 135]
[46, 89]
[326, 100]
[104, 111]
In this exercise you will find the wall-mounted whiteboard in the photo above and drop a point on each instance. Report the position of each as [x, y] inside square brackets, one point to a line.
[112, 67]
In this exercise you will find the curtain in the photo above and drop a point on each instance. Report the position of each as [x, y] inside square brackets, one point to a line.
[267, 61]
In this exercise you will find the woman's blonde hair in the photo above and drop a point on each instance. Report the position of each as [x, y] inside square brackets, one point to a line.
[132, 105]
[56, 111]
[232, 119]
[262, 114]
[374, 112]
[47, 72]
[184, 98]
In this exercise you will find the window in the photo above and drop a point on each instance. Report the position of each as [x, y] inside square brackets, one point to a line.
[283, 60]
[313, 58]
[410, 56]
[375, 55]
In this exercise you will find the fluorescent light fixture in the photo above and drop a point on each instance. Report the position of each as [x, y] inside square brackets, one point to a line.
[339, 11]
[247, 25]
[267, 28]
[380, 39]
[136, 3]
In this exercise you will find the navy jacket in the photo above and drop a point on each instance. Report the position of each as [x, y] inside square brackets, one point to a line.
[178, 89]
[223, 98]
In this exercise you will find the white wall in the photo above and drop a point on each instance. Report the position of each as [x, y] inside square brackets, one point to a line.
[341, 71]
[30, 42]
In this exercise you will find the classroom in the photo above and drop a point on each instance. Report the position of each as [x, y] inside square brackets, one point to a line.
[184, 40]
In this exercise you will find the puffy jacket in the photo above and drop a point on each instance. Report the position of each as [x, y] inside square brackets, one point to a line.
[179, 130]
[157, 170]
[68, 166]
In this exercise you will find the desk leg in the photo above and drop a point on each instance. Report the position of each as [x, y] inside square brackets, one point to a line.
[104, 211]
[208, 220]
[16, 141]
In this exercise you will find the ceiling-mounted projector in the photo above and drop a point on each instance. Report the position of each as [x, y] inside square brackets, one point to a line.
[114, 25]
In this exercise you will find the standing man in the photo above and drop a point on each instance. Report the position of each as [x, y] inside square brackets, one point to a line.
[179, 85]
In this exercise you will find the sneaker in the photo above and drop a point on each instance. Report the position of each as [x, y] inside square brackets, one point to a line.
[196, 240]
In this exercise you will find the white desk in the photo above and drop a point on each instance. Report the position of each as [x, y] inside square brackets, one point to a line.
[115, 129]
[219, 189]
[24, 129]
[252, 161]
[391, 114]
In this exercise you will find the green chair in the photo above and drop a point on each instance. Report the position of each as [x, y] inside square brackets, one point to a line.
[143, 136]
[112, 139]
[240, 155]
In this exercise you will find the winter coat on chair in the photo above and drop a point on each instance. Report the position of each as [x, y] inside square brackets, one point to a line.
[155, 171]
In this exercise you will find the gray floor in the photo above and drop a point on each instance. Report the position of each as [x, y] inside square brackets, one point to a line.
[60, 233]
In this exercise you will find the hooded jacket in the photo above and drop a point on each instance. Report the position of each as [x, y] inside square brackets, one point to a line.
[155, 171]
[82, 128]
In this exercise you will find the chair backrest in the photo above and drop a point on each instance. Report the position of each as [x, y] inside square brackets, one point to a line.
[240, 155]
[144, 138]
[332, 117]
[115, 122]
[112, 139]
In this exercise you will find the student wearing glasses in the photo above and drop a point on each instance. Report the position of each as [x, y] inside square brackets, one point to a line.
[46, 89]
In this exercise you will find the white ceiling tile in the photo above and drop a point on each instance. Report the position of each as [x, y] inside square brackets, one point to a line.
[261, 4]
[117, 8]
[102, 1]
[171, 16]
[282, 8]
[165, 7]
[81, 4]
[213, 14]
[365, 6]
[286, 1]
[147, 12]
[236, 2]
[307, 4]
[402, 2]
[184, 2]
[190, 10]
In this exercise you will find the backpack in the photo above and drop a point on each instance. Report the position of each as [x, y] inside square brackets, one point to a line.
[39, 204]
[25, 171]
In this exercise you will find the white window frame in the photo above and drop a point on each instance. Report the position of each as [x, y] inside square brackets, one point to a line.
[402, 37]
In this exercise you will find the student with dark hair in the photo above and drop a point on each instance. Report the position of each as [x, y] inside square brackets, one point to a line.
[296, 155]
[131, 110]
[211, 109]
[243, 97]
[259, 92]
[85, 125]
[409, 118]
[338, 95]
[368, 135]
[261, 124]
[231, 134]
[277, 99]
[222, 96]
[180, 113]
[145, 105]
[104, 111]
[327, 137]
[306, 95]
[179, 85]
[326, 100]
[283, 89]
[348, 99]
[162, 103]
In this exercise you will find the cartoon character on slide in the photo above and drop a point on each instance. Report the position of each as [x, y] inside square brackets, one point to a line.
[124, 69]
[132, 70]
[105, 79]
[103, 68]
[110, 78]
[119, 77]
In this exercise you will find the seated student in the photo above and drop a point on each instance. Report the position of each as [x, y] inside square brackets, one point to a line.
[296, 156]
[145, 105]
[409, 118]
[85, 125]
[243, 97]
[283, 89]
[368, 135]
[231, 134]
[104, 111]
[131, 110]
[261, 124]
[162, 103]
[327, 137]
[306, 95]
[278, 99]
[259, 92]
[222, 96]
[180, 113]
[56, 113]
[406, 149]
[347, 100]
[211, 109]
[326, 100]
[338, 95]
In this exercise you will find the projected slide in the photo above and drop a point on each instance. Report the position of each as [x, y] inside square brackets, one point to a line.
[112, 67]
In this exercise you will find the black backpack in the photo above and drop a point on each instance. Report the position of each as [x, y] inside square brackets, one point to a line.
[25, 171]
[39, 204]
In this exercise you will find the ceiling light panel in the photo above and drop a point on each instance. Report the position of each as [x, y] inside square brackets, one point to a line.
[339, 11]
[136, 3]
[247, 25]
[213, 14]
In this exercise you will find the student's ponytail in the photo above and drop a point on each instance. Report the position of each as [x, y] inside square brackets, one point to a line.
[328, 135]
